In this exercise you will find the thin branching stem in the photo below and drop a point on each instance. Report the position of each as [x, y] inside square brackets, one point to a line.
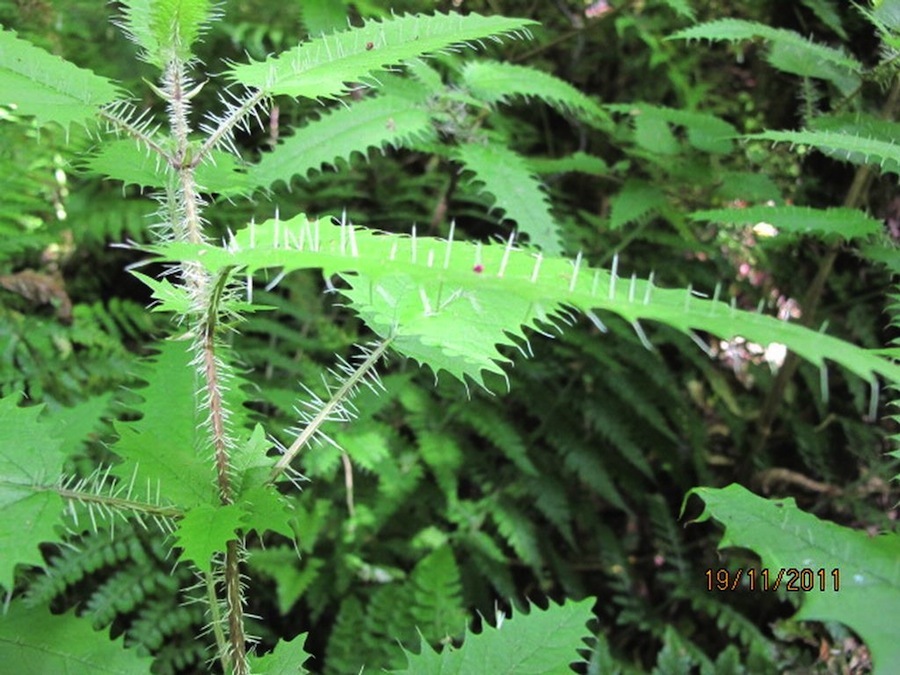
[227, 125]
[116, 503]
[325, 411]
[135, 133]
[212, 601]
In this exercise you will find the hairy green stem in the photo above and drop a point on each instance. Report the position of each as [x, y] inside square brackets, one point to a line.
[207, 297]
[216, 621]
[117, 503]
[326, 410]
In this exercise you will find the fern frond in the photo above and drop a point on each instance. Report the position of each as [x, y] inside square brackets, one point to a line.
[501, 433]
[586, 466]
[505, 175]
[81, 558]
[46, 87]
[437, 603]
[121, 593]
[495, 82]
[517, 530]
[728, 619]
[320, 68]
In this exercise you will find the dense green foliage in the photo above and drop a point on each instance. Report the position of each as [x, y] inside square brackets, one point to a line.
[233, 252]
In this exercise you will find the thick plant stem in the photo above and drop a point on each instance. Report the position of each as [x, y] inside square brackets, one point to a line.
[234, 597]
[206, 300]
[854, 199]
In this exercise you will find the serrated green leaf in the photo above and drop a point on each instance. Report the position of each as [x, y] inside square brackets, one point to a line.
[287, 658]
[32, 640]
[48, 88]
[505, 175]
[322, 67]
[636, 201]
[124, 160]
[790, 51]
[250, 457]
[794, 57]
[493, 82]
[168, 296]
[164, 450]
[204, 530]
[377, 122]
[747, 186]
[847, 146]
[542, 642]
[704, 131]
[31, 460]
[653, 134]
[857, 125]
[450, 304]
[165, 29]
[786, 538]
[843, 222]
[73, 425]
[827, 13]
[264, 509]
[734, 30]
[577, 161]
[681, 7]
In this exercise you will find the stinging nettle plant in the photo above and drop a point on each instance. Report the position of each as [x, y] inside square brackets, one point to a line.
[193, 465]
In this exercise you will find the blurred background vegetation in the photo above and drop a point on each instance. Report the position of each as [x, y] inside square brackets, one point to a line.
[569, 485]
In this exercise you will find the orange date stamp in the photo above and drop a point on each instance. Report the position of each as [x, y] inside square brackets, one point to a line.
[791, 579]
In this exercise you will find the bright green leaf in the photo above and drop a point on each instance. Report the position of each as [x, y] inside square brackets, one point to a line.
[842, 222]
[505, 175]
[542, 642]
[450, 303]
[48, 88]
[786, 538]
[31, 459]
[287, 658]
[322, 67]
[204, 530]
[34, 641]
[164, 450]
